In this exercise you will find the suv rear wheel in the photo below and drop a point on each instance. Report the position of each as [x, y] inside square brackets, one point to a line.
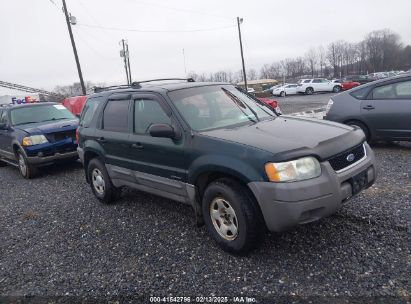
[231, 216]
[309, 91]
[336, 89]
[100, 182]
[282, 94]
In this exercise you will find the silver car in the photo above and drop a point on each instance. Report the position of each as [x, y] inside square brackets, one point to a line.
[382, 109]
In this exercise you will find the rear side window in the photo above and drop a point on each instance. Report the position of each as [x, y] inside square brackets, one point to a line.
[89, 110]
[307, 81]
[403, 89]
[115, 117]
[146, 113]
[398, 90]
[360, 93]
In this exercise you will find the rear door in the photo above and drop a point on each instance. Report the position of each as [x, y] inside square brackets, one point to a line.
[113, 134]
[291, 89]
[388, 110]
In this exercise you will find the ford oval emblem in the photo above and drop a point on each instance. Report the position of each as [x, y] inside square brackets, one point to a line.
[350, 157]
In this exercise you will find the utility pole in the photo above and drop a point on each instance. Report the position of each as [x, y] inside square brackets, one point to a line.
[128, 64]
[124, 55]
[240, 20]
[80, 75]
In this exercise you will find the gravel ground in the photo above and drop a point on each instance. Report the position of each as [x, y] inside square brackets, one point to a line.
[299, 103]
[56, 239]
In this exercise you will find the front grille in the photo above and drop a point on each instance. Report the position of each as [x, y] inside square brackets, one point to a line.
[340, 161]
[57, 136]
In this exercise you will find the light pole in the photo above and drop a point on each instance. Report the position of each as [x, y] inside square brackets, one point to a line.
[239, 21]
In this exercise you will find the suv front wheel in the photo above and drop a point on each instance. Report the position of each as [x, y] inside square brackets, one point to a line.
[100, 182]
[309, 91]
[231, 216]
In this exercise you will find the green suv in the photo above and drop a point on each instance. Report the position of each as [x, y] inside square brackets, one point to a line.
[242, 167]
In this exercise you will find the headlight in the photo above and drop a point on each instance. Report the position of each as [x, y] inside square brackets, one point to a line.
[34, 140]
[295, 170]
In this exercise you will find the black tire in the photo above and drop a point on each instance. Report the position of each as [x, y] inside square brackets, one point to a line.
[282, 94]
[309, 91]
[248, 218]
[27, 170]
[363, 127]
[108, 193]
[336, 89]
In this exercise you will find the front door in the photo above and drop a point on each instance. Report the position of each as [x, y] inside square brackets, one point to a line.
[388, 110]
[158, 162]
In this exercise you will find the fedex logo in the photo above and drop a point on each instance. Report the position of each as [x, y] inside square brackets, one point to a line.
[26, 99]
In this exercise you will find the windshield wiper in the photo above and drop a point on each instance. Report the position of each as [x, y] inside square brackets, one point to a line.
[237, 102]
[53, 119]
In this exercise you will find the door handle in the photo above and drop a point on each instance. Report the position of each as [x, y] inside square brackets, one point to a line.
[101, 139]
[369, 107]
[137, 146]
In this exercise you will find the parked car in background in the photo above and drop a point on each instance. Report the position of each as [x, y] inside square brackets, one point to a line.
[286, 89]
[311, 86]
[348, 84]
[75, 104]
[362, 79]
[240, 166]
[272, 103]
[36, 134]
[382, 109]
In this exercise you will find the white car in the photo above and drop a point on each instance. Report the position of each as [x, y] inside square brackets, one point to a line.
[286, 89]
[311, 86]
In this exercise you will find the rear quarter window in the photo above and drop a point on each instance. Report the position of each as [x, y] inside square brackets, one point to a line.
[360, 93]
[89, 111]
[115, 117]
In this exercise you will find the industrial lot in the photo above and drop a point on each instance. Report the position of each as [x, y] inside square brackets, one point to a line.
[279, 175]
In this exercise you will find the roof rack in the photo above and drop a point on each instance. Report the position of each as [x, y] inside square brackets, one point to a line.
[136, 84]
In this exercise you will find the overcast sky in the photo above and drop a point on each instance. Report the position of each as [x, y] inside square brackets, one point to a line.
[36, 50]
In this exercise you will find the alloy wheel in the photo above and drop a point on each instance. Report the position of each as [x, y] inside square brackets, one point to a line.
[224, 218]
[98, 181]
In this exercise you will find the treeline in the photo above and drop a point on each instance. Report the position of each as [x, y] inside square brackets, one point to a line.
[379, 51]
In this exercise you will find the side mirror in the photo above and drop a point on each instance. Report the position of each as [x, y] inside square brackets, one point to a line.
[4, 126]
[162, 130]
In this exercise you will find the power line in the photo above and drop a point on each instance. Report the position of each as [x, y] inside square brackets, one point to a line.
[184, 10]
[154, 31]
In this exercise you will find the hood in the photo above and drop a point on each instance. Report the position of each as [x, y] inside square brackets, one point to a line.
[288, 137]
[49, 126]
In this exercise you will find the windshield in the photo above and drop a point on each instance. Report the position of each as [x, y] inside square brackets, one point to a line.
[212, 107]
[37, 114]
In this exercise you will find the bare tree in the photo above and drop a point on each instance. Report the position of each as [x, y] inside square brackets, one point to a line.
[311, 58]
[321, 59]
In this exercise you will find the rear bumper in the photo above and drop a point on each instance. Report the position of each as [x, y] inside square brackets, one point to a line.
[285, 205]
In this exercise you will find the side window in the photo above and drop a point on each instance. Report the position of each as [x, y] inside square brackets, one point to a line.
[307, 81]
[89, 110]
[384, 92]
[146, 113]
[115, 117]
[317, 81]
[360, 93]
[403, 89]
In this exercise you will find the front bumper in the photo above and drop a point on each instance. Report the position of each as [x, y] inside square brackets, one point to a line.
[285, 205]
[48, 153]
